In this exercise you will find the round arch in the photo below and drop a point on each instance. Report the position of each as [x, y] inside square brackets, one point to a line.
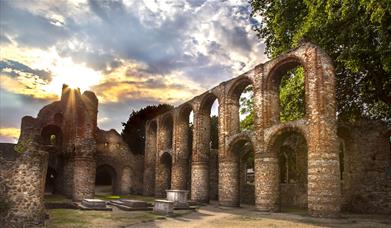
[105, 179]
[289, 145]
[51, 135]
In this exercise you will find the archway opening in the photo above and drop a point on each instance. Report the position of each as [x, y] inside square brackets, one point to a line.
[166, 167]
[240, 102]
[292, 152]
[105, 180]
[50, 183]
[52, 135]
[243, 151]
[287, 92]
[209, 141]
[185, 130]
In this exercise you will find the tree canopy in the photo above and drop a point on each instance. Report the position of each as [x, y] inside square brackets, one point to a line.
[357, 36]
[134, 129]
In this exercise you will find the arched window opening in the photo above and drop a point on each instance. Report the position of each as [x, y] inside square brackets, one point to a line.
[240, 105]
[291, 149]
[243, 151]
[105, 180]
[292, 95]
[246, 109]
[166, 162]
[51, 135]
[53, 140]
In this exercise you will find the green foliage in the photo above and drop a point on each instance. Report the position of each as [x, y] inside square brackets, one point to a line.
[21, 147]
[134, 129]
[292, 95]
[355, 33]
[246, 108]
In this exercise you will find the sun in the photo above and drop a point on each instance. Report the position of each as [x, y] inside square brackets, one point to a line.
[74, 75]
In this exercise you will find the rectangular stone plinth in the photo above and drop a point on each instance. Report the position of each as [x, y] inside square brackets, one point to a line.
[163, 207]
[179, 197]
[134, 203]
[93, 203]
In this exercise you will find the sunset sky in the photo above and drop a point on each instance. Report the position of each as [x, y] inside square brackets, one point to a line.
[130, 53]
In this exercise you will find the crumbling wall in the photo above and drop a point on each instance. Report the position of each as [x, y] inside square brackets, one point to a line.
[366, 176]
[113, 151]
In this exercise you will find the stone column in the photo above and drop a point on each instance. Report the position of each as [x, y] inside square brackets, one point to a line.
[149, 161]
[324, 193]
[163, 174]
[84, 178]
[199, 167]
[267, 182]
[125, 183]
[229, 191]
[200, 182]
[180, 166]
[69, 163]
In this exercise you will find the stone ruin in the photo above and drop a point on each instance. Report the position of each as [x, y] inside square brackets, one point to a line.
[336, 166]
[63, 142]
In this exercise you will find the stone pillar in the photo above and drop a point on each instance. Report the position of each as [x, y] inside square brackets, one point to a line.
[200, 158]
[164, 145]
[84, 178]
[179, 173]
[125, 183]
[200, 182]
[267, 182]
[69, 163]
[181, 153]
[149, 161]
[229, 191]
[324, 193]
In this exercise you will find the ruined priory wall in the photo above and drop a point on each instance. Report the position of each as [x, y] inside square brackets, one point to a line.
[366, 177]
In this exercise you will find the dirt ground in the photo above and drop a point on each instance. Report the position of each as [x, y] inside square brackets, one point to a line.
[214, 216]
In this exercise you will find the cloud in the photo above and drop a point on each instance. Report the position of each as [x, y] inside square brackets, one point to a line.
[9, 134]
[147, 52]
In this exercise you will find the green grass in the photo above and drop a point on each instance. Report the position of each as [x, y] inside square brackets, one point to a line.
[64, 218]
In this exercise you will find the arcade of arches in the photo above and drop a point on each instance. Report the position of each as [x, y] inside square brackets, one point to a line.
[313, 162]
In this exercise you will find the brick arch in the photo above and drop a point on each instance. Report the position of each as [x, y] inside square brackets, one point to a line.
[230, 169]
[282, 130]
[279, 67]
[206, 102]
[240, 137]
[237, 86]
[234, 90]
[47, 132]
[287, 194]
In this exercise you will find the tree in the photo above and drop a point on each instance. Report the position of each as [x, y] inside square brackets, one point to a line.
[133, 132]
[357, 36]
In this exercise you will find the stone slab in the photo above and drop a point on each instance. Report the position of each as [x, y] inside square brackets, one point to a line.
[93, 203]
[163, 207]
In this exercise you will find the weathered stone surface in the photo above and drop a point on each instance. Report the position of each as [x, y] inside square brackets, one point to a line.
[163, 207]
[179, 197]
[318, 187]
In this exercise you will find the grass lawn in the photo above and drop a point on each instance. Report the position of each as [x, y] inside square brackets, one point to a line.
[68, 218]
